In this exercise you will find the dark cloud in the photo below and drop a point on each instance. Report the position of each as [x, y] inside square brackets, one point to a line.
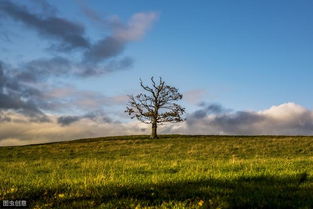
[69, 33]
[25, 87]
[16, 103]
[41, 69]
[17, 96]
[215, 108]
[97, 116]
[104, 49]
[218, 118]
[26, 91]
[89, 69]
[205, 110]
[237, 122]
[67, 120]
[285, 119]
[122, 33]
[93, 59]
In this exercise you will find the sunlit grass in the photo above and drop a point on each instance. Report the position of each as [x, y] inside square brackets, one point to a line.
[170, 172]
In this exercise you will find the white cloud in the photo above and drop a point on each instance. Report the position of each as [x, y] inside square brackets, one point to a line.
[136, 27]
[287, 111]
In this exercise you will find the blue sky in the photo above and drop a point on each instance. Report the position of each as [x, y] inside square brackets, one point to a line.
[244, 55]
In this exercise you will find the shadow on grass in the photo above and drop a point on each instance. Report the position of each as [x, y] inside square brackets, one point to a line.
[246, 192]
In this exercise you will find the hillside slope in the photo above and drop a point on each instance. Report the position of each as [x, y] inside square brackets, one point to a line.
[171, 172]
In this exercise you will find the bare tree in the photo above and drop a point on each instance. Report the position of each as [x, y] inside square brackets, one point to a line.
[157, 106]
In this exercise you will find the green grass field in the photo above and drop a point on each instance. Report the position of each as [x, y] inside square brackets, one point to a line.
[171, 172]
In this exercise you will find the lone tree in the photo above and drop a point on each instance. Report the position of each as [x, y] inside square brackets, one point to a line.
[156, 106]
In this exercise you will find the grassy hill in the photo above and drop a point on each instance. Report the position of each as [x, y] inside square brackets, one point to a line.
[171, 172]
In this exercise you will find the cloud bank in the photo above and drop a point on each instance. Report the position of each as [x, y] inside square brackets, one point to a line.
[19, 132]
[284, 119]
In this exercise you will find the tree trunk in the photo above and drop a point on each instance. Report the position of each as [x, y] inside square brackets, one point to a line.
[154, 131]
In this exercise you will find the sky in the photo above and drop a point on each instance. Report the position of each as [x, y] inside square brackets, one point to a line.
[66, 67]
